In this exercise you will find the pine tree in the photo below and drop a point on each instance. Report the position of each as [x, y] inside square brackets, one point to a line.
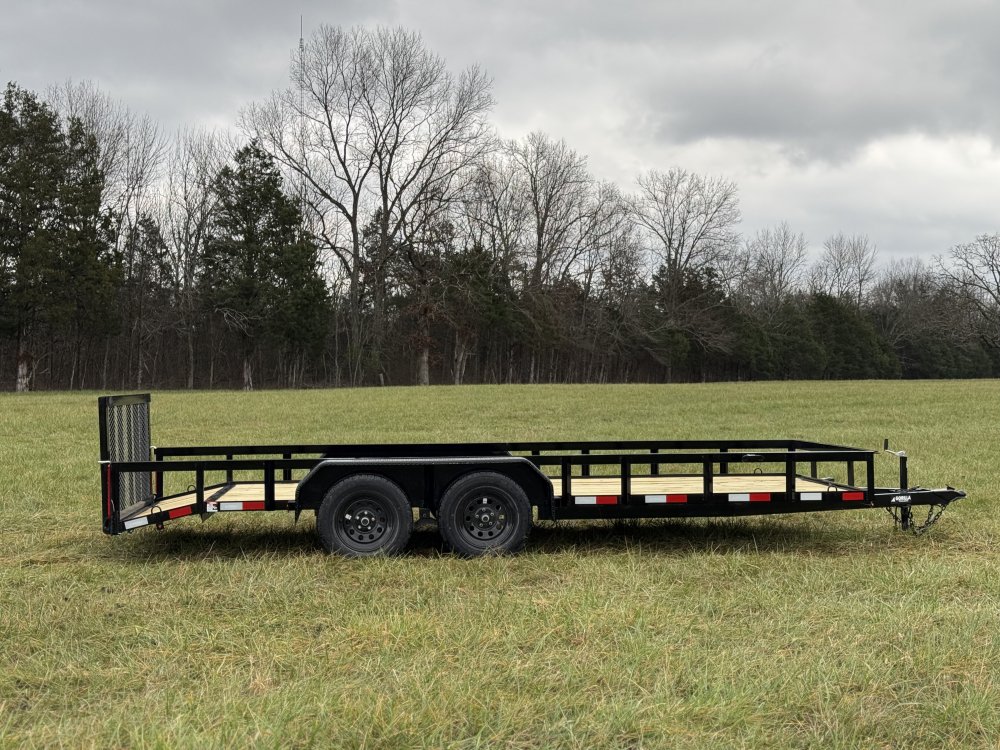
[55, 269]
[260, 274]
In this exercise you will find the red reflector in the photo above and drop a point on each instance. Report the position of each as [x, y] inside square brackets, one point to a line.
[178, 512]
[760, 497]
[854, 496]
[253, 505]
[677, 498]
[607, 499]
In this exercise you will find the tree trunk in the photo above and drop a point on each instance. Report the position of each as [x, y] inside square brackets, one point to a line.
[247, 370]
[23, 364]
[461, 357]
[424, 365]
[140, 365]
[190, 351]
[104, 366]
[424, 352]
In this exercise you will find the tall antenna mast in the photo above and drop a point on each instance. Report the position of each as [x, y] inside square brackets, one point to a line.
[302, 122]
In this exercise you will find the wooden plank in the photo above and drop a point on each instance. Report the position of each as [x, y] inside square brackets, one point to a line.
[667, 485]
[284, 493]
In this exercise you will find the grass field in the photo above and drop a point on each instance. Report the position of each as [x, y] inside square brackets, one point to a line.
[822, 630]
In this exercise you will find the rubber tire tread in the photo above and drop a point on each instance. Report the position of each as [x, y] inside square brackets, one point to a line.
[344, 490]
[447, 515]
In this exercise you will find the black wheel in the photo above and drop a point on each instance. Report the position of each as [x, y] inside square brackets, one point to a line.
[365, 515]
[484, 513]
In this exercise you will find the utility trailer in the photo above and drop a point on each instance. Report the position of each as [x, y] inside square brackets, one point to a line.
[483, 495]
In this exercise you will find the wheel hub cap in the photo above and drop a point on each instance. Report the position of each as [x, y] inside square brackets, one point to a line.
[485, 517]
[364, 521]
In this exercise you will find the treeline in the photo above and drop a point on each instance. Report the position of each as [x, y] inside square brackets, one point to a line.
[369, 227]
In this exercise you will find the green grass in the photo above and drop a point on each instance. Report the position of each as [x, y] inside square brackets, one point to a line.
[826, 630]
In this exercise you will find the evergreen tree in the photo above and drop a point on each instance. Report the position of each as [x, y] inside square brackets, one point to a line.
[260, 274]
[56, 272]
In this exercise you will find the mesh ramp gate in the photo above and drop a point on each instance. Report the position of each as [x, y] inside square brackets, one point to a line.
[124, 423]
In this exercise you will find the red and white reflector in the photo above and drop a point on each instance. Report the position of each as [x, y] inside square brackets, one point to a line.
[596, 500]
[666, 498]
[749, 497]
[853, 496]
[241, 505]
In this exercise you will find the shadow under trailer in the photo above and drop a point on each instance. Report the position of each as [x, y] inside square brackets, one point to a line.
[483, 495]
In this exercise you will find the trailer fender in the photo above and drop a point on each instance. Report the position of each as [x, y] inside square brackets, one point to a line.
[424, 480]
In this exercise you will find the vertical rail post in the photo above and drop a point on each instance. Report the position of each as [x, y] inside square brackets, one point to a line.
[850, 473]
[790, 476]
[870, 471]
[565, 474]
[813, 469]
[585, 469]
[286, 474]
[158, 475]
[199, 488]
[706, 478]
[626, 479]
[655, 468]
[116, 511]
[724, 465]
[229, 472]
[106, 510]
[269, 485]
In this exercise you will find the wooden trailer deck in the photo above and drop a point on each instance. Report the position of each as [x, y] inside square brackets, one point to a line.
[242, 496]
[250, 495]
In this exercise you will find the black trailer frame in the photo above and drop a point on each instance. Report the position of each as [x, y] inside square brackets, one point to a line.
[559, 479]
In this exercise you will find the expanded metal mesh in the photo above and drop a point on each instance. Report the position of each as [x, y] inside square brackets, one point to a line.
[127, 439]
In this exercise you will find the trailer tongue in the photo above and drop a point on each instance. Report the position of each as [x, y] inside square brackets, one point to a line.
[483, 494]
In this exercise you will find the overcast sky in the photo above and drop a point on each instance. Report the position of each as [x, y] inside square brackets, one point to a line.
[873, 117]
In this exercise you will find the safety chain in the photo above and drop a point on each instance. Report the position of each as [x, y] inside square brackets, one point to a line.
[934, 513]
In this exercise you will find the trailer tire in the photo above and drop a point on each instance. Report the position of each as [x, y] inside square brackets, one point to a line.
[365, 515]
[484, 513]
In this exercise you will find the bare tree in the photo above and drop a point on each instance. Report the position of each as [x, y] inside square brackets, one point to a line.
[495, 209]
[372, 124]
[773, 266]
[847, 268]
[558, 190]
[687, 223]
[131, 152]
[975, 268]
[188, 202]
[688, 220]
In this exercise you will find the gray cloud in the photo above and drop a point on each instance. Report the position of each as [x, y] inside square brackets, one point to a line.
[871, 116]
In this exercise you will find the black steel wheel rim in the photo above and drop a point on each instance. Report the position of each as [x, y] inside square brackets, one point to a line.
[486, 518]
[364, 524]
